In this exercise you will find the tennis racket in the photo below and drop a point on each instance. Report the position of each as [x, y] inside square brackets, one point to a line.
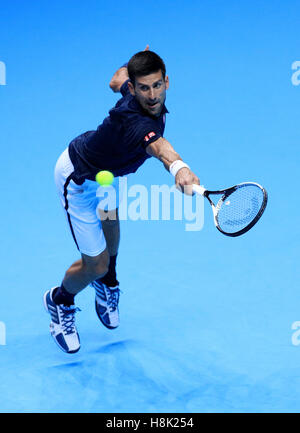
[238, 208]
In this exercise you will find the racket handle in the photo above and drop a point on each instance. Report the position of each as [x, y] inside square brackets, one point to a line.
[199, 189]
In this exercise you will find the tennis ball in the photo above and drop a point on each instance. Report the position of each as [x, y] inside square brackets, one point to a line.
[104, 178]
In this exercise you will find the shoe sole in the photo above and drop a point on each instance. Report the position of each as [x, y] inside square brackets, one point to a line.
[47, 309]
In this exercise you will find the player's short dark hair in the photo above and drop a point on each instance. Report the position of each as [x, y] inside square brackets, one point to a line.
[145, 63]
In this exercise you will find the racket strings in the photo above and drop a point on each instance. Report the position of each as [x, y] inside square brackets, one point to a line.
[237, 210]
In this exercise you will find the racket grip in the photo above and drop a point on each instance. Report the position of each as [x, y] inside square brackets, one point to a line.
[199, 189]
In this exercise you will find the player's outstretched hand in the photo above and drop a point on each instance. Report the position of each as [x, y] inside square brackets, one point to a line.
[185, 179]
[147, 48]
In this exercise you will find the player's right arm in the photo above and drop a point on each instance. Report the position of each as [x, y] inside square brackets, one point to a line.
[164, 151]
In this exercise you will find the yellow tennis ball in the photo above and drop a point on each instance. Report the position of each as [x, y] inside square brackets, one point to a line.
[104, 178]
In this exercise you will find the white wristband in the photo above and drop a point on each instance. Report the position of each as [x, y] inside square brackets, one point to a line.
[176, 166]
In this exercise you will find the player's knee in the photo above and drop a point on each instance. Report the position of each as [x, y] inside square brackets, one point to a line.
[97, 266]
[100, 268]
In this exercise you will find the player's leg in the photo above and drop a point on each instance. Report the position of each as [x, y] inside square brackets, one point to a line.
[60, 301]
[107, 286]
[79, 203]
[81, 273]
[111, 229]
[108, 213]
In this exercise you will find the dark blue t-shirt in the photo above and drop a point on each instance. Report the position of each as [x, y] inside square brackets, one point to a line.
[119, 143]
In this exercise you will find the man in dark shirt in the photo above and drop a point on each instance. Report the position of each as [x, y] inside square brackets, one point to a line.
[132, 133]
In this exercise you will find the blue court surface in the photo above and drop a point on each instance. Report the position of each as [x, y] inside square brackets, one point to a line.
[208, 323]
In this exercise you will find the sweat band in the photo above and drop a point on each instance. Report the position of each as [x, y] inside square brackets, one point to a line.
[176, 166]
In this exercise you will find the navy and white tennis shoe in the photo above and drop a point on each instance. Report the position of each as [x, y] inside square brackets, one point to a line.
[62, 325]
[107, 304]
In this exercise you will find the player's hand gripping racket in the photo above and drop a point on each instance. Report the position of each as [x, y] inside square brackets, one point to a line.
[238, 208]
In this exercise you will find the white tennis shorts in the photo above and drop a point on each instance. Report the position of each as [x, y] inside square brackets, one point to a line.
[80, 203]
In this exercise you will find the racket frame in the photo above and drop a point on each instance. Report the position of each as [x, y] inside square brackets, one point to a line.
[198, 189]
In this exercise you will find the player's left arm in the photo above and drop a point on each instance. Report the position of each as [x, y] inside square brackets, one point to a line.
[120, 76]
[164, 151]
[118, 79]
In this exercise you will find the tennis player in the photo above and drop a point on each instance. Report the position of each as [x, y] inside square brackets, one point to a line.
[132, 133]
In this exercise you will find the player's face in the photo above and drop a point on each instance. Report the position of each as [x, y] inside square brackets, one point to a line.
[150, 92]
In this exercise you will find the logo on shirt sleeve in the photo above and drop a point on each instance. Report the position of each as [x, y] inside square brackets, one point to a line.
[150, 135]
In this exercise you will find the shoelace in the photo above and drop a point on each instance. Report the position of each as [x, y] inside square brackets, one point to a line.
[111, 295]
[68, 319]
[113, 298]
